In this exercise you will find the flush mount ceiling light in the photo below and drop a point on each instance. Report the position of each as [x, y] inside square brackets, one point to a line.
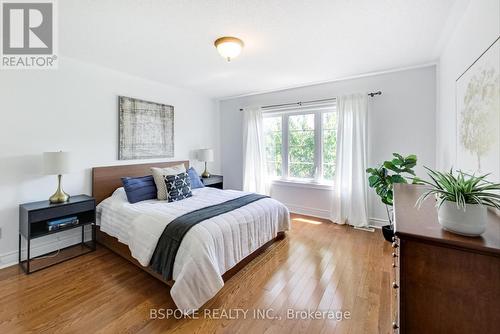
[229, 47]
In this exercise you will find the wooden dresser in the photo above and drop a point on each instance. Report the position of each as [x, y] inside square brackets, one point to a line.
[442, 282]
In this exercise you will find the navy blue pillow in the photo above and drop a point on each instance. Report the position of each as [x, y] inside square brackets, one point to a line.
[178, 187]
[195, 179]
[139, 188]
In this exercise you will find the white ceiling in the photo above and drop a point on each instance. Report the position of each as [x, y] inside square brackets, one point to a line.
[288, 42]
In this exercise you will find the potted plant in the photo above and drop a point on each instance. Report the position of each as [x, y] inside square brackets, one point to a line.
[382, 178]
[462, 200]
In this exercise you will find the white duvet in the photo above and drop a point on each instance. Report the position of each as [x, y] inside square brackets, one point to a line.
[208, 250]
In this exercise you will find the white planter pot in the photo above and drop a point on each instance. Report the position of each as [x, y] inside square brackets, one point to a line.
[470, 222]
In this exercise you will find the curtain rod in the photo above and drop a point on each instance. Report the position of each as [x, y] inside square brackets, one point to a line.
[312, 101]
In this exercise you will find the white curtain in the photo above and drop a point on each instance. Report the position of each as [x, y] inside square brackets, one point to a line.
[350, 187]
[254, 166]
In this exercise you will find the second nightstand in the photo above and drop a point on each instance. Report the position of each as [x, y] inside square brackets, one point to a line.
[214, 181]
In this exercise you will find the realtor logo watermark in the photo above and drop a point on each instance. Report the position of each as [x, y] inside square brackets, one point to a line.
[28, 34]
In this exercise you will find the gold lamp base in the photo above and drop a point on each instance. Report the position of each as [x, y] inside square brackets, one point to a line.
[59, 196]
[205, 173]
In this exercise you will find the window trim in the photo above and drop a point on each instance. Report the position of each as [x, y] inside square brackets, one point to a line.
[317, 181]
[303, 184]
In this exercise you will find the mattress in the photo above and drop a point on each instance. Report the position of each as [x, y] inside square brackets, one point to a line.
[208, 250]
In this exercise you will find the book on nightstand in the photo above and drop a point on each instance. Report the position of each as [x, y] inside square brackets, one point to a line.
[60, 223]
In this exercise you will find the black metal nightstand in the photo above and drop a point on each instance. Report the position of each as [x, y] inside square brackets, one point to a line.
[33, 223]
[214, 181]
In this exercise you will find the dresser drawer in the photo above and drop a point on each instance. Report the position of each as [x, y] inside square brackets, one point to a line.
[60, 211]
[448, 290]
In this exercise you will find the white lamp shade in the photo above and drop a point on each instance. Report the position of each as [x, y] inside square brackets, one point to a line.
[206, 154]
[55, 163]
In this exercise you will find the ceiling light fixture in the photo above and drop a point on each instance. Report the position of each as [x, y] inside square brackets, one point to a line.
[229, 47]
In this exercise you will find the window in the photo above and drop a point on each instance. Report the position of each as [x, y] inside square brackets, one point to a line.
[301, 144]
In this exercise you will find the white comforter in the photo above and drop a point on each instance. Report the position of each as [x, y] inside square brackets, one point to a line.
[208, 250]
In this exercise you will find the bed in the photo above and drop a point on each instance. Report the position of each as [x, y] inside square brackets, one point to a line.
[211, 251]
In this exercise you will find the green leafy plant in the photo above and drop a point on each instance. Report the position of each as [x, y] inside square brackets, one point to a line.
[397, 170]
[461, 188]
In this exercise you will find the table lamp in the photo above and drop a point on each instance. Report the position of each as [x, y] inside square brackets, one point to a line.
[56, 163]
[206, 155]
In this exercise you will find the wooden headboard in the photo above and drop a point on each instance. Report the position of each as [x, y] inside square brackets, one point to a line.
[105, 180]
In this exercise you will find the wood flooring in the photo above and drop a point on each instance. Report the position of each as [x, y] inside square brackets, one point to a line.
[318, 266]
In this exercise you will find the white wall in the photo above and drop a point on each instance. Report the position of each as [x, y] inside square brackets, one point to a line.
[74, 108]
[401, 120]
[477, 29]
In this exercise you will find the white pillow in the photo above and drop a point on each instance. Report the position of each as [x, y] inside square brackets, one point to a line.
[159, 177]
[120, 194]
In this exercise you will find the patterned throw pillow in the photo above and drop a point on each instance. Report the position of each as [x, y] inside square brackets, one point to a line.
[178, 187]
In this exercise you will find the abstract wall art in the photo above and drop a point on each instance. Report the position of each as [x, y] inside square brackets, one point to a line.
[478, 115]
[146, 129]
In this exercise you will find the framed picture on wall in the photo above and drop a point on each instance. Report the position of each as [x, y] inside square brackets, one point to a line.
[146, 129]
[478, 115]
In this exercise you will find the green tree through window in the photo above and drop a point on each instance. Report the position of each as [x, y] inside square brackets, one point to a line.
[297, 157]
[301, 145]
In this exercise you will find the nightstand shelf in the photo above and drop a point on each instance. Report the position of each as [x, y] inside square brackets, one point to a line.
[214, 181]
[37, 232]
[33, 224]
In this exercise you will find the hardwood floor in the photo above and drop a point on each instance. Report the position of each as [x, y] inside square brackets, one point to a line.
[319, 266]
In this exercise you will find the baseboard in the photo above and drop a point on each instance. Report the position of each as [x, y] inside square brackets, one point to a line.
[325, 214]
[11, 258]
[378, 223]
[318, 213]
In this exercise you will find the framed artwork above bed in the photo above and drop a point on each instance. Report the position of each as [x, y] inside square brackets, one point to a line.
[146, 129]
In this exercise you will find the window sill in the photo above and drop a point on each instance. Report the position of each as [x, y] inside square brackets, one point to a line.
[302, 184]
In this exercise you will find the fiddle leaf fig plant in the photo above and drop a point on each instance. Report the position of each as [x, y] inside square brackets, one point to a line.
[397, 170]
